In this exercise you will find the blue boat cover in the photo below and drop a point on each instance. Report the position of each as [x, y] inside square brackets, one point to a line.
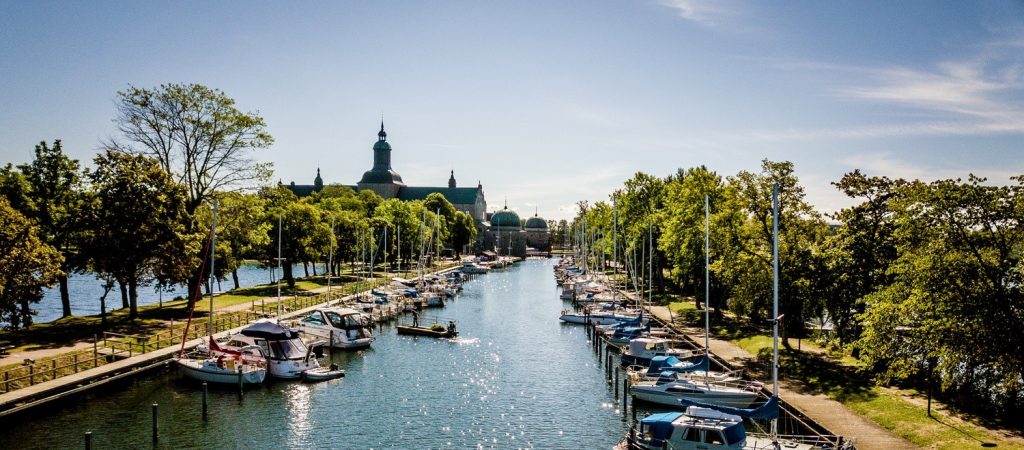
[661, 364]
[660, 424]
[769, 410]
[269, 331]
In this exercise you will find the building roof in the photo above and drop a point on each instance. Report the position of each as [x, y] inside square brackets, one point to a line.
[378, 175]
[505, 218]
[536, 222]
[303, 190]
[463, 196]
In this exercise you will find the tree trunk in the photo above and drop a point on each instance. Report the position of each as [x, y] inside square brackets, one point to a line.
[234, 277]
[65, 297]
[288, 277]
[305, 268]
[26, 313]
[314, 269]
[133, 297]
[124, 292]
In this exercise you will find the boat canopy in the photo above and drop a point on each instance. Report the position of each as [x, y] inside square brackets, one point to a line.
[660, 424]
[769, 410]
[270, 331]
[665, 363]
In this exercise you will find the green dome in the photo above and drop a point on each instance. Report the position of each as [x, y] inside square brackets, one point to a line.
[382, 145]
[505, 218]
[536, 222]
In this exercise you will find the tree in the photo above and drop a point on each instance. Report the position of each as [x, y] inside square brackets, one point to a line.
[198, 137]
[56, 197]
[242, 228]
[683, 236]
[463, 232]
[137, 222]
[27, 265]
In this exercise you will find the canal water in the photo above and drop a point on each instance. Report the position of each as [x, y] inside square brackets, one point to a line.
[516, 378]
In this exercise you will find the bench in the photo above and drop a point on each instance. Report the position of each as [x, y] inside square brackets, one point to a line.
[4, 347]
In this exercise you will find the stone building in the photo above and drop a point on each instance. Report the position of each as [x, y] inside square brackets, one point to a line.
[536, 233]
[387, 183]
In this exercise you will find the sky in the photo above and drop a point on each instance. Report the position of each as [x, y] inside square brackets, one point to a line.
[546, 103]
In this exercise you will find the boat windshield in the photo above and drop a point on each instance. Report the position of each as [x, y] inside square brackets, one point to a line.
[289, 349]
[347, 321]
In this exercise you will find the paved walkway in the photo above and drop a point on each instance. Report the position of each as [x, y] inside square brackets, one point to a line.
[831, 414]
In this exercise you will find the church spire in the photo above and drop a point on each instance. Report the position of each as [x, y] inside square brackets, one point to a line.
[382, 135]
[451, 180]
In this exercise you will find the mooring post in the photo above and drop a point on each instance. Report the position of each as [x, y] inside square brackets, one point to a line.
[616, 382]
[634, 409]
[240, 390]
[88, 440]
[205, 394]
[156, 427]
[625, 391]
[608, 362]
[330, 343]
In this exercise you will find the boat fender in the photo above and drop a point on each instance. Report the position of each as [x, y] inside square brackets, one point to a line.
[634, 378]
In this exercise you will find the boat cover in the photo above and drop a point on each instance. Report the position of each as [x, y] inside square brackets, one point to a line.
[769, 410]
[269, 331]
[660, 424]
[665, 363]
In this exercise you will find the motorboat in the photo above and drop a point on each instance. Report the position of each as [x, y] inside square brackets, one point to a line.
[343, 328]
[470, 267]
[436, 329]
[670, 387]
[288, 357]
[642, 349]
[695, 368]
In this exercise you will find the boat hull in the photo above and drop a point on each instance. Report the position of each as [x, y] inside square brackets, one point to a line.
[424, 331]
[653, 394]
[322, 374]
[208, 371]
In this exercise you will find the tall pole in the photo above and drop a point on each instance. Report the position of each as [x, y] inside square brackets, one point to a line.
[707, 276]
[330, 260]
[650, 263]
[213, 251]
[279, 222]
[775, 299]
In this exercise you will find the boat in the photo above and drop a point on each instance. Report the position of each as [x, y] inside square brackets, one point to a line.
[234, 367]
[288, 357]
[600, 317]
[323, 373]
[641, 350]
[436, 329]
[342, 328]
[568, 291]
[246, 366]
[470, 267]
[671, 387]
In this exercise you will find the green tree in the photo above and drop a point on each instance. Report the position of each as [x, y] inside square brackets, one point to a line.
[56, 199]
[463, 232]
[27, 265]
[956, 293]
[15, 188]
[137, 220]
[198, 136]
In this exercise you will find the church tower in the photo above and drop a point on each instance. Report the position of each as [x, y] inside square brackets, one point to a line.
[381, 178]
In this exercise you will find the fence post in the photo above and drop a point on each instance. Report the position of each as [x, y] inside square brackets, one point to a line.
[205, 393]
[53, 367]
[76, 362]
[31, 374]
[7, 387]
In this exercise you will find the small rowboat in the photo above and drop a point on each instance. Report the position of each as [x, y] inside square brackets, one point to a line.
[428, 331]
[323, 373]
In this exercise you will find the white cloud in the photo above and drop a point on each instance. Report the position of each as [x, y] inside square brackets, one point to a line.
[708, 13]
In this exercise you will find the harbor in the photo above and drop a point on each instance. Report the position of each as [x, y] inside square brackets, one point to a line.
[515, 377]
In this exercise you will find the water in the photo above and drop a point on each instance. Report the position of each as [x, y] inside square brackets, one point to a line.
[517, 378]
[85, 291]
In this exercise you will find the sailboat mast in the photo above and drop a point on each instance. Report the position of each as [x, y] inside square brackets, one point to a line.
[279, 221]
[707, 274]
[650, 263]
[330, 260]
[213, 251]
[775, 298]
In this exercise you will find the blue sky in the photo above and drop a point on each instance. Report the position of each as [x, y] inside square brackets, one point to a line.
[547, 103]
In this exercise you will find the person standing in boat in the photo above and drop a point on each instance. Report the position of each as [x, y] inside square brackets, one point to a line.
[415, 319]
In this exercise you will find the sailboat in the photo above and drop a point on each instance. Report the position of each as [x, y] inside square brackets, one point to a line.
[244, 366]
[711, 426]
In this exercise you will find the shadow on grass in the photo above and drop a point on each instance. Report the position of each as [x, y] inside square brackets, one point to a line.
[964, 433]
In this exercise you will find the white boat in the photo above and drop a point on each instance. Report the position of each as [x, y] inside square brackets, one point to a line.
[323, 373]
[568, 291]
[473, 268]
[246, 364]
[342, 328]
[671, 387]
[600, 318]
[225, 368]
[287, 356]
